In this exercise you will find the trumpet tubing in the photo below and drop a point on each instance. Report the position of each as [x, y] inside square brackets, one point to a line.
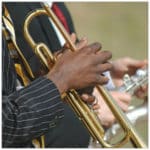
[130, 85]
[84, 113]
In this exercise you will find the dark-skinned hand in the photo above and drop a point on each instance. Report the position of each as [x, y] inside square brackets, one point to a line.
[81, 69]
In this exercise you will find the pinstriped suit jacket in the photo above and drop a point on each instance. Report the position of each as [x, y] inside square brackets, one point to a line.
[26, 113]
[69, 132]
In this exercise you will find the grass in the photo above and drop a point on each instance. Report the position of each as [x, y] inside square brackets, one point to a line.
[121, 27]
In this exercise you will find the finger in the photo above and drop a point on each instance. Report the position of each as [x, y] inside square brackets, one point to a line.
[58, 54]
[136, 63]
[104, 67]
[142, 91]
[73, 37]
[92, 48]
[95, 107]
[83, 42]
[123, 106]
[88, 98]
[124, 97]
[144, 88]
[103, 56]
[140, 94]
[145, 63]
[101, 79]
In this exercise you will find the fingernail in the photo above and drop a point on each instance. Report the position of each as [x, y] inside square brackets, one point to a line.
[85, 96]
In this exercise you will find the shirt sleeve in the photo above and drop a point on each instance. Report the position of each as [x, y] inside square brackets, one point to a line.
[30, 112]
[110, 85]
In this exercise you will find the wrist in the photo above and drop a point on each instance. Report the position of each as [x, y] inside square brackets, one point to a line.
[56, 79]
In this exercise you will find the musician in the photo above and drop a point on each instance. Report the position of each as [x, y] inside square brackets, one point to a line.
[120, 67]
[30, 112]
[61, 142]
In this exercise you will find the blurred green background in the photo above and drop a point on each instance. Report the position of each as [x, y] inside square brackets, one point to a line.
[121, 27]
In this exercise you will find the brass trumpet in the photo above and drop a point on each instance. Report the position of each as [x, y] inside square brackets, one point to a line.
[84, 113]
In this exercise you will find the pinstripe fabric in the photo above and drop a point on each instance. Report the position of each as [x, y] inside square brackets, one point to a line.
[29, 112]
[9, 75]
[70, 132]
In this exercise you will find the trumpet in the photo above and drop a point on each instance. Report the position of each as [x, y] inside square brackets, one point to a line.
[84, 113]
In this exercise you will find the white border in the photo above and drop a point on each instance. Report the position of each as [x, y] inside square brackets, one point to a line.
[79, 1]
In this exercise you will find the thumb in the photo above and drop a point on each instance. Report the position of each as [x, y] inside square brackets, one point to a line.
[73, 37]
[82, 43]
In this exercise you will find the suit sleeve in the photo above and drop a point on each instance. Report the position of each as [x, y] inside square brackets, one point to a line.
[31, 111]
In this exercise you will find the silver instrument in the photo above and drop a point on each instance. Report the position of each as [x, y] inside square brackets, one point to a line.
[135, 113]
[131, 84]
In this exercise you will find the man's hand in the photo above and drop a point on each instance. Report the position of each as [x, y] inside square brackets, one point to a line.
[80, 69]
[104, 113]
[125, 65]
[129, 66]
[89, 99]
[79, 45]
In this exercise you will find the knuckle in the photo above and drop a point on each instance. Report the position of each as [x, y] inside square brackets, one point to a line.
[103, 80]
[106, 55]
[106, 80]
[109, 66]
[99, 45]
[97, 78]
[99, 68]
[109, 54]
[88, 49]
